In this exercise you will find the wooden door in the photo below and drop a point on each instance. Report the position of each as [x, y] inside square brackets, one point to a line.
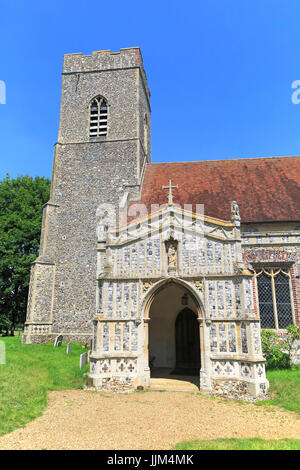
[187, 340]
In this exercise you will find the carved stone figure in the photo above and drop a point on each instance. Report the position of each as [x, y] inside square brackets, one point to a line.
[172, 255]
[147, 285]
[235, 212]
[199, 285]
[103, 224]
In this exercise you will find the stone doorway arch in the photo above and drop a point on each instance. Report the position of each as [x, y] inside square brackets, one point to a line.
[167, 357]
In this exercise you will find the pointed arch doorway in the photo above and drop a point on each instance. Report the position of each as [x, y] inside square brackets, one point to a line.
[174, 339]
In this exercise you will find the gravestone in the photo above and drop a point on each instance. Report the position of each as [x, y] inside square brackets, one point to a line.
[83, 360]
[2, 353]
[69, 347]
[58, 341]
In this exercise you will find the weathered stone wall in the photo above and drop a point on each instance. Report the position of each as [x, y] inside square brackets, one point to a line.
[87, 178]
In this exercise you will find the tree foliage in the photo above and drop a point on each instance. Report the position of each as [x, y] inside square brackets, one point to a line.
[279, 349]
[292, 341]
[21, 208]
[272, 348]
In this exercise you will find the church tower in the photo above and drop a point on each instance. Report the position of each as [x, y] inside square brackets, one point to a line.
[104, 143]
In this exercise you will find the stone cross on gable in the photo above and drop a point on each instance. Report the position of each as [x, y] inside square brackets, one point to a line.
[170, 195]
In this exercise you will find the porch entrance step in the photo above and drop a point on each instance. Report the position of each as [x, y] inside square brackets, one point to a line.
[184, 384]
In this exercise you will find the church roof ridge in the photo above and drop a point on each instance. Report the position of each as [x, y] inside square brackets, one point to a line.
[227, 160]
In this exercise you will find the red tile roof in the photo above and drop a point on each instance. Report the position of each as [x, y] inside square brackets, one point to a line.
[266, 189]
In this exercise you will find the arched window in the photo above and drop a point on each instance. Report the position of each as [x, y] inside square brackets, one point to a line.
[98, 117]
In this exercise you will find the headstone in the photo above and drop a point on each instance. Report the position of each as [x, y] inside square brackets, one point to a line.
[2, 353]
[83, 360]
[58, 341]
[69, 347]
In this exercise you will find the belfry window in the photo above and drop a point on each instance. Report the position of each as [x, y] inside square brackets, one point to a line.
[274, 297]
[98, 117]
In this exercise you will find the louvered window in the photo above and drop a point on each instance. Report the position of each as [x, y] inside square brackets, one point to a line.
[274, 296]
[98, 117]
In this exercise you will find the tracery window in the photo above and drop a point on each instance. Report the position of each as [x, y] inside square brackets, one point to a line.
[274, 297]
[98, 117]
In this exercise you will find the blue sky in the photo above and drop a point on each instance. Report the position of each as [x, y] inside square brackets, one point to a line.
[220, 74]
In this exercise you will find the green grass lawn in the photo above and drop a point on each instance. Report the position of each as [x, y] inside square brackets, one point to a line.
[285, 389]
[30, 371]
[240, 444]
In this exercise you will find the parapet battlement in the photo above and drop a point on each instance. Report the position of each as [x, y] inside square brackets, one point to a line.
[103, 60]
[127, 58]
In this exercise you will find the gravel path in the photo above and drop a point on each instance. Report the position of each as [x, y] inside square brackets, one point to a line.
[76, 419]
